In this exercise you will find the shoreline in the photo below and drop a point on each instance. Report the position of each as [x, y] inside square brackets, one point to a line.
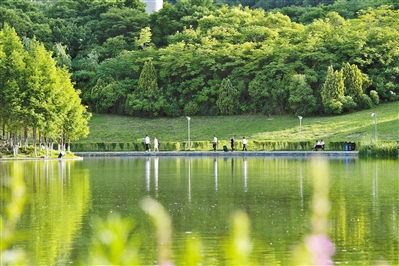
[221, 154]
[39, 159]
[81, 155]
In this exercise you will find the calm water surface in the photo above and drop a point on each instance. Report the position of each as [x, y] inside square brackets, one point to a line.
[201, 194]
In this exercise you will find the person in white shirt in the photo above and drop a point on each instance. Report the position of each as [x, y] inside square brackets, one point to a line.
[215, 142]
[317, 143]
[244, 144]
[156, 144]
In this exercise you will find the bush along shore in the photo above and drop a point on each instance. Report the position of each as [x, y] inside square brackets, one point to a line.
[384, 150]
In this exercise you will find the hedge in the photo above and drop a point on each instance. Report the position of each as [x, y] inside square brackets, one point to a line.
[206, 146]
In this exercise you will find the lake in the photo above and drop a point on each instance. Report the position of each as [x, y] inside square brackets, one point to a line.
[352, 204]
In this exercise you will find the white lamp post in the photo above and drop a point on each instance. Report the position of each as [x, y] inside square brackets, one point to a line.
[188, 120]
[375, 125]
[300, 130]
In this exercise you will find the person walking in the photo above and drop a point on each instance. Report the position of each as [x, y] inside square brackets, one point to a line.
[232, 143]
[156, 144]
[147, 143]
[215, 142]
[244, 144]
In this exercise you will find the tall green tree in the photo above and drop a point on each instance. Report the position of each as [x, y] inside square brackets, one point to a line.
[353, 81]
[35, 93]
[12, 73]
[146, 99]
[61, 56]
[75, 118]
[227, 101]
[333, 89]
[148, 81]
[301, 100]
[43, 101]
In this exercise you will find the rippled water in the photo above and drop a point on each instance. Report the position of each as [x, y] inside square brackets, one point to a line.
[201, 194]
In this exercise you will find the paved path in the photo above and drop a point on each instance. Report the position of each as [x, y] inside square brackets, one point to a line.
[224, 154]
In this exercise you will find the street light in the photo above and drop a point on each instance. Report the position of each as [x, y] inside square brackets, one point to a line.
[188, 120]
[300, 130]
[375, 125]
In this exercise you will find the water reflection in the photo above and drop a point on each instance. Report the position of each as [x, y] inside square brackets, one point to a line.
[375, 188]
[301, 182]
[148, 173]
[189, 180]
[232, 168]
[278, 205]
[156, 164]
[54, 209]
[245, 173]
[215, 173]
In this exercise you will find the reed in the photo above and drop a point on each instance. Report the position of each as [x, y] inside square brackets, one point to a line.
[383, 150]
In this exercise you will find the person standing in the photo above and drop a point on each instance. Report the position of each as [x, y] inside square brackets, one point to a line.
[215, 142]
[232, 143]
[156, 144]
[147, 143]
[244, 144]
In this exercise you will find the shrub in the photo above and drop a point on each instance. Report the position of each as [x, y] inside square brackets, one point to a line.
[365, 102]
[347, 102]
[191, 108]
[172, 109]
[333, 107]
[374, 97]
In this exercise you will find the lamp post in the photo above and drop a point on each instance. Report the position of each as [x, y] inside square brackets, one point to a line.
[300, 130]
[375, 125]
[188, 143]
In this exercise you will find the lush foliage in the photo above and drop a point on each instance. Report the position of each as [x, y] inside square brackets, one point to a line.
[35, 94]
[274, 61]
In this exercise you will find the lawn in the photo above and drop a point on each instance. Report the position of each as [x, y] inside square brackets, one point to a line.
[355, 126]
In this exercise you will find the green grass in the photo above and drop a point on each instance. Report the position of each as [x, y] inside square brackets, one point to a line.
[356, 126]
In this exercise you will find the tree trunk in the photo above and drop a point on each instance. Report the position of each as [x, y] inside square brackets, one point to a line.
[26, 138]
[46, 144]
[15, 145]
[34, 141]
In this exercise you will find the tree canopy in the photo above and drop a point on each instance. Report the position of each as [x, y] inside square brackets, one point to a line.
[36, 94]
[196, 58]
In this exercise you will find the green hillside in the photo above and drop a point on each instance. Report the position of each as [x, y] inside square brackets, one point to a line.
[356, 126]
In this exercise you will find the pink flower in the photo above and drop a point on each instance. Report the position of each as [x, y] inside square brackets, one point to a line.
[321, 248]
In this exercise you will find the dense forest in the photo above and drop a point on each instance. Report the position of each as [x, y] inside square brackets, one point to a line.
[198, 57]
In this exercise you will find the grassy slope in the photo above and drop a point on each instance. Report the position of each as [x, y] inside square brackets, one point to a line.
[350, 127]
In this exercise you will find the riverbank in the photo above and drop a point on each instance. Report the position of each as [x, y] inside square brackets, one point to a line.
[222, 154]
[40, 159]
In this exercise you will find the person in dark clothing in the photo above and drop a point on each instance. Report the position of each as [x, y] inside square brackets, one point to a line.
[232, 143]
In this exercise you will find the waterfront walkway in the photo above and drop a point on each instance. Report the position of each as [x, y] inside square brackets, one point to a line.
[223, 154]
